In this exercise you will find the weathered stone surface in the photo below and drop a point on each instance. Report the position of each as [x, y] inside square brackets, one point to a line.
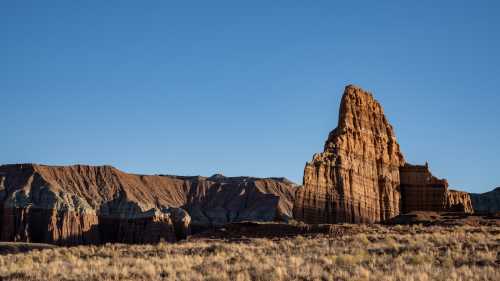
[148, 227]
[421, 191]
[458, 201]
[488, 202]
[362, 176]
[218, 200]
[356, 178]
[85, 204]
[36, 213]
[182, 222]
[75, 204]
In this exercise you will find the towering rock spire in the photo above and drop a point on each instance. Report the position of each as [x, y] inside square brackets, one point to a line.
[356, 178]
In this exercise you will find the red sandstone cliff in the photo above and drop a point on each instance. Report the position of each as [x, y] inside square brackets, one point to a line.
[422, 191]
[356, 178]
[361, 176]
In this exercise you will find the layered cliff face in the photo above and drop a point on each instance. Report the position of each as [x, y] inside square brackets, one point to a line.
[458, 201]
[218, 200]
[84, 204]
[422, 191]
[356, 178]
[362, 176]
[488, 202]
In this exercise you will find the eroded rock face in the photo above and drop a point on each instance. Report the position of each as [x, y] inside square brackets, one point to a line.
[362, 176]
[488, 202]
[422, 191]
[458, 201]
[150, 226]
[219, 200]
[356, 178]
[34, 212]
[85, 204]
[182, 222]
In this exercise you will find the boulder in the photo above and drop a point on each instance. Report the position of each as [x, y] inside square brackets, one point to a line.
[182, 222]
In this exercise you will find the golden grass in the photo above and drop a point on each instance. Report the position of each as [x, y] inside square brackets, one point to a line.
[374, 253]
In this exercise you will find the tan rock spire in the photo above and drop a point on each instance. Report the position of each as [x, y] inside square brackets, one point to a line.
[356, 178]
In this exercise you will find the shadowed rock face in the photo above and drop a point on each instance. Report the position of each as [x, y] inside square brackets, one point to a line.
[422, 191]
[218, 200]
[84, 204]
[356, 178]
[487, 202]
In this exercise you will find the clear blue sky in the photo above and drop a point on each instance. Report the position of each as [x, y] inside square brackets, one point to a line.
[246, 87]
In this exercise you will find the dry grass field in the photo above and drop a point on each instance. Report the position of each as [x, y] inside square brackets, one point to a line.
[367, 253]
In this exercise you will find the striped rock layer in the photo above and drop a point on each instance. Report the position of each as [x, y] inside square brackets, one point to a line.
[422, 191]
[361, 176]
[356, 178]
[70, 205]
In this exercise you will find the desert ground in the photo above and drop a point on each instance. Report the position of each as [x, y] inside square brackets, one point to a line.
[355, 252]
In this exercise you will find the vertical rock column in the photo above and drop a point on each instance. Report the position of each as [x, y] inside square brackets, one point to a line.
[356, 178]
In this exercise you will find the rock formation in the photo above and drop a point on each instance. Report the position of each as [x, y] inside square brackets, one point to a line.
[85, 204]
[356, 178]
[422, 191]
[218, 200]
[362, 176]
[458, 201]
[488, 202]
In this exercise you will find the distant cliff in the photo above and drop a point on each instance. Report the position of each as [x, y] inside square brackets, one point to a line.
[87, 204]
[486, 202]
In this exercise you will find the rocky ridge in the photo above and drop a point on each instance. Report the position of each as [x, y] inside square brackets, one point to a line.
[89, 205]
[488, 202]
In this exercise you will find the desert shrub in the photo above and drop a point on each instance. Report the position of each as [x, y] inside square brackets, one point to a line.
[370, 252]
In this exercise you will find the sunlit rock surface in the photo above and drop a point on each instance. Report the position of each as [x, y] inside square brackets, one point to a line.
[356, 178]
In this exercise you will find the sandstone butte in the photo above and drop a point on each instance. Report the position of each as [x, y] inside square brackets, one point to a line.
[90, 205]
[362, 176]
